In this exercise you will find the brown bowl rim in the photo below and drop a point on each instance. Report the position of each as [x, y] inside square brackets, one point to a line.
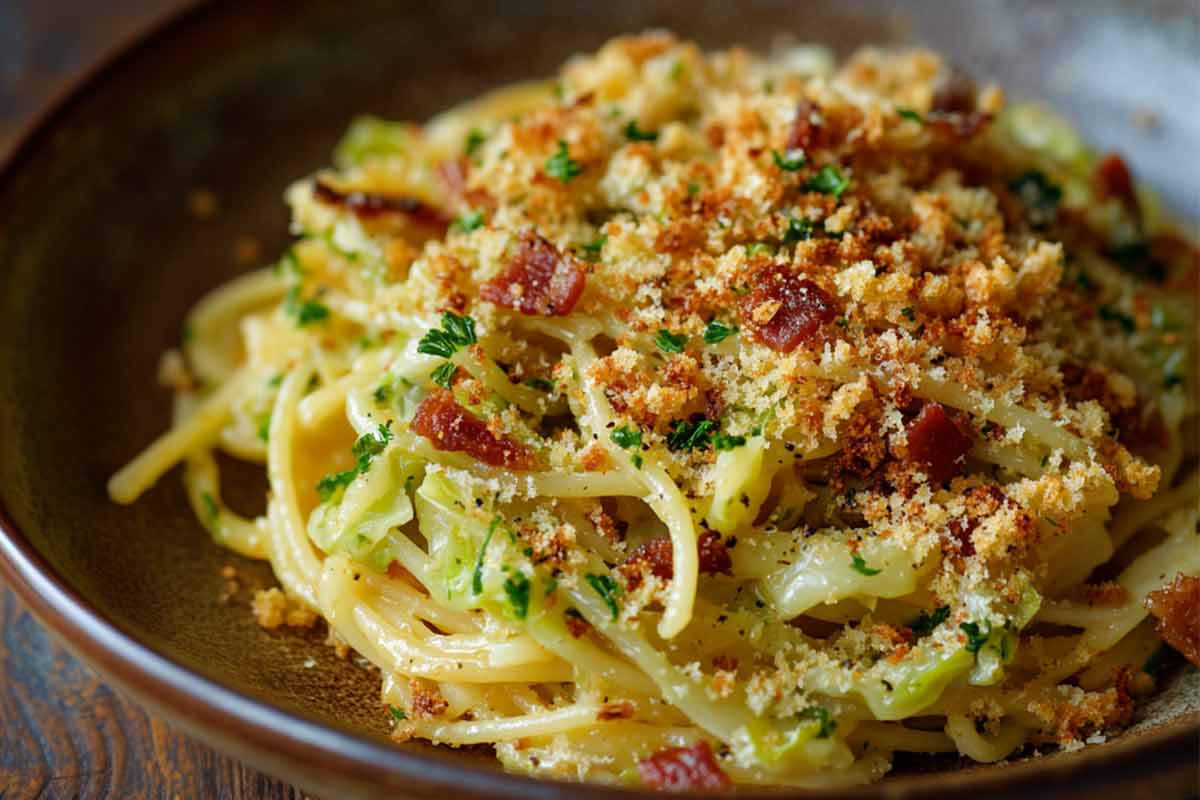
[284, 742]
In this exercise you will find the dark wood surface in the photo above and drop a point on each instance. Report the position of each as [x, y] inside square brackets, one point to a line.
[64, 732]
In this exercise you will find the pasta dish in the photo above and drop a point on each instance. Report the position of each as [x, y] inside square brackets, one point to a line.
[707, 419]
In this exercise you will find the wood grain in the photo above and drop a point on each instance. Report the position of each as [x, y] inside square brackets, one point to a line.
[64, 733]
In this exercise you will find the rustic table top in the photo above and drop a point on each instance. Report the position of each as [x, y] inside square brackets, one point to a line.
[64, 732]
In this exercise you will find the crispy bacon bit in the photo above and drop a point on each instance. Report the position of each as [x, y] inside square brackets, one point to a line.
[621, 710]
[783, 310]
[1176, 607]
[576, 625]
[1113, 179]
[426, 702]
[937, 443]
[441, 420]
[714, 557]
[725, 663]
[365, 205]
[806, 133]
[657, 555]
[683, 769]
[538, 279]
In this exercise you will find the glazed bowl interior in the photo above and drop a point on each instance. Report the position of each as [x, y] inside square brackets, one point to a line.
[100, 259]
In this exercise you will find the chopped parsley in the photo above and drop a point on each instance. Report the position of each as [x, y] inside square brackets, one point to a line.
[925, 624]
[828, 181]
[716, 332]
[471, 220]
[859, 565]
[305, 312]
[264, 427]
[212, 513]
[670, 342]
[797, 230]
[561, 166]
[908, 313]
[455, 332]
[976, 637]
[477, 575]
[821, 716]
[607, 588]
[909, 114]
[382, 394]
[725, 441]
[541, 384]
[1036, 191]
[475, 140]
[626, 437]
[276, 381]
[591, 250]
[364, 450]
[398, 714]
[636, 460]
[516, 586]
[790, 161]
[690, 435]
[635, 134]
[444, 374]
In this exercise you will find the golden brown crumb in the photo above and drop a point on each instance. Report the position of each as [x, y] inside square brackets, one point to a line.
[273, 609]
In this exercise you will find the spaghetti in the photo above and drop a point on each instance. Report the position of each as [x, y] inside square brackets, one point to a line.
[710, 419]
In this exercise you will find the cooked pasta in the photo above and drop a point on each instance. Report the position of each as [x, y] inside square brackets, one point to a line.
[708, 419]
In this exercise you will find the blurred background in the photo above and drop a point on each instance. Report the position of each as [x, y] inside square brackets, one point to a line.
[43, 42]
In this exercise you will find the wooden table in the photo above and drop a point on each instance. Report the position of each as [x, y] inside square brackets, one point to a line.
[65, 733]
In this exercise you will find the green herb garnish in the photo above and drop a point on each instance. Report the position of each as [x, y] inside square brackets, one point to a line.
[828, 181]
[398, 714]
[859, 565]
[976, 637]
[443, 375]
[475, 140]
[516, 586]
[909, 114]
[670, 342]
[635, 134]
[455, 332]
[626, 437]
[821, 716]
[607, 588]
[477, 575]
[469, 221]
[689, 435]
[797, 230]
[561, 166]
[364, 450]
[925, 624]
[716, 332]
[305, 312]
[725, 441]
[790, 161]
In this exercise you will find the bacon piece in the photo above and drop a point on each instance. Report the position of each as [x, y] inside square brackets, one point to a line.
[937, 443]
[537, 280]
[805, 134]
[783, 310]
[441, 420]
[366, 205]
[1113, 179]
[659, 557]
[714, 557]
[1176, 608]
[683, 769]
